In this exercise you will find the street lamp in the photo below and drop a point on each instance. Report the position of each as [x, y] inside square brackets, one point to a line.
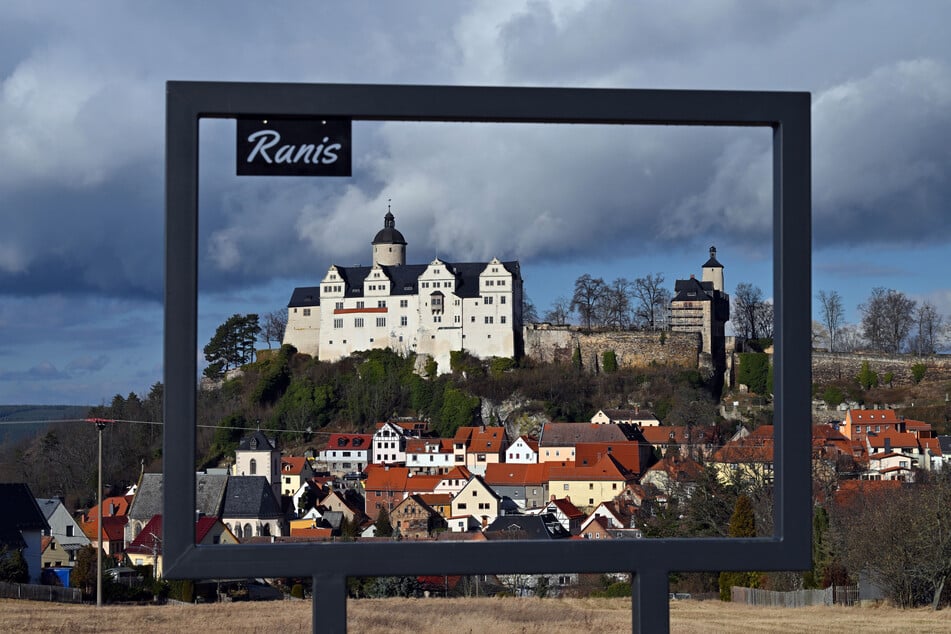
[100, 425]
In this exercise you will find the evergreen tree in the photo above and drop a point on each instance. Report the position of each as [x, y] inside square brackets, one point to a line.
[13, 566]
[742, 524]
[382, 524]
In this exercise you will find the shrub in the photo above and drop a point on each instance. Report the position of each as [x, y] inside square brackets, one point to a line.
[754, 371]
[297, 591]
[918, 372]
[609, 361]
[867, 378]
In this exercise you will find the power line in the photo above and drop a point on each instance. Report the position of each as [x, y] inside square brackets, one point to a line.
[152, 422]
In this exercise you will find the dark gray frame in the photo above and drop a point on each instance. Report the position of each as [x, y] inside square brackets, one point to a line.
[650, 561]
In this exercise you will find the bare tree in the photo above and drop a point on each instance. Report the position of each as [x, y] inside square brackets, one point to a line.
[748, 315]
[529, 312]
[652, 301]
[589, 292]
[275, 323]
[849, 339]
[615, 305]
[831, 312]
[929, 326]
[559, 312]
[764, 319]
[887, 319]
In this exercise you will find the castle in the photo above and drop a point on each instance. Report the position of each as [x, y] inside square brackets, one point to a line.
[701, 306]
[428, 309]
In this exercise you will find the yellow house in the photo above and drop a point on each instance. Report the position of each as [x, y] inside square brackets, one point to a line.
[588, 486]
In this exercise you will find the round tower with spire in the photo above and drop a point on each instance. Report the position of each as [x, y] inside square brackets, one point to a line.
[389, 246]
[713, 271]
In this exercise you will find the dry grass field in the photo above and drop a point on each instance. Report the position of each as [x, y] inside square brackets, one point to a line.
[462, 616]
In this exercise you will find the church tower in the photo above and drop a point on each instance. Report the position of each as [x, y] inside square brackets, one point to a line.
[389, 246]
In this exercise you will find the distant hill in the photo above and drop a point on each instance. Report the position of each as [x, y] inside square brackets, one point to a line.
[11, 414]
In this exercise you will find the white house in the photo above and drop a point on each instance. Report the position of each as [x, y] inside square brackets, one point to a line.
[522, 451]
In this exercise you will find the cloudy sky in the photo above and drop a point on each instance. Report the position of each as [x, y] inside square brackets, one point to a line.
[82, 150]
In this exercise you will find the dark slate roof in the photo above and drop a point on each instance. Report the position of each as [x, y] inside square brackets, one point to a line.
[257, 441]
[389, 233]
[404, 280]
[20, 513]
[544, 526]
[48, 506]
[305, 296]
[209, 492]
[692, 290]
[250, 496]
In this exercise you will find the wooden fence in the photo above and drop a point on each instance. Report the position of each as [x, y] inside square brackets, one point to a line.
[833, 595]
[32, 592]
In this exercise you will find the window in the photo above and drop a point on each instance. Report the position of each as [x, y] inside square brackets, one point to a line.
[437, 319]
[306, 312]
[501, 282]
[462, 506]
[490, 283]
[254, 466]
[69, 531]
[381, 322]
[435, 300]
[566, 486]
[591, 486]
[404, 303]
[488, 319]
[404, 320]
[502, 299]
[457, 319]
[488, 300]
[447, 284]
[358, 322]
[360, 304]
[338, 323]
[381, 303]
[473, 319]
[425, 284]
[502, 319]
[338, 305]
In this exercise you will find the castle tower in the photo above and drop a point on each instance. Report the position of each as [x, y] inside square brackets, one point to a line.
[713, 271]
[389, 246]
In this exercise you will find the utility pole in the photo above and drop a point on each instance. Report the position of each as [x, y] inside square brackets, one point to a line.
[100, 425]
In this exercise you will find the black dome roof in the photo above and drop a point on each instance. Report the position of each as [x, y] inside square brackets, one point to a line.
[389, 234]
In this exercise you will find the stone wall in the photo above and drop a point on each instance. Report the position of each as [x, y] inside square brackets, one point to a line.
[843, 366]
[556, 344]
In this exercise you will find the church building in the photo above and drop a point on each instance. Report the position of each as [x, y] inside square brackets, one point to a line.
[428, 309]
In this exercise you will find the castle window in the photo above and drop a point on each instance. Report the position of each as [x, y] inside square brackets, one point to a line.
[502, 299]
[457, 319]
[502, 319]
[338, 323]
[381, 303]
[501, 282]
[338, 305]
[436, 301]
[473, 319]
[404, 303]
[381, 322]
[404, 320]
[488, 319]
[488, 300]
[360, 304]
[490, 283]
[358, 322]
[437, 319]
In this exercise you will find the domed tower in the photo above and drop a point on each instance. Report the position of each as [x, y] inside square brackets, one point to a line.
[713, 271]
[389, 246]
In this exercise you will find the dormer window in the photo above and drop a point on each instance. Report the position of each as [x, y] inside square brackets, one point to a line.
[436, 301]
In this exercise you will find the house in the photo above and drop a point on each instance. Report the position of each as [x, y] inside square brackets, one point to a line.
[346, 453]
[64, 527]
[146, 548]
[294, 471]
[557, 441]
[634, 456]
[413, 518]
[524, 484]
[429, 309]
[476, 447]
[249, 508]
[523, 451]
[674, 475]
[348, 504]
[258, 455]
[543, 526]
[693, 441]
[636, 416]
[54, 555]
[613, 515]
[750, 457]
[477, 500]
[429, 455]
[588, 486]
[389, 441]
[22, 526]
[567, 514]
[386, 486]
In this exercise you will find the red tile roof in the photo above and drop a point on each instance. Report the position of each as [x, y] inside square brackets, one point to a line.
[627, 453]
[607, 468]
[346, 441]
[504, 474]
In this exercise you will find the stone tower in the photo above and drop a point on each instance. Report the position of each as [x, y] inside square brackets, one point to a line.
[389, 245]
[713, 271]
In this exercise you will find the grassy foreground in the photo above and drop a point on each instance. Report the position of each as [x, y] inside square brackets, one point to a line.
[425, 616]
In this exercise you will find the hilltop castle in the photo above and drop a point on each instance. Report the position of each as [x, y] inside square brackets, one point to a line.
[429, 309]
[701, 306]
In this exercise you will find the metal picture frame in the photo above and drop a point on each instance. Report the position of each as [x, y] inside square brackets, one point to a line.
[650, 560]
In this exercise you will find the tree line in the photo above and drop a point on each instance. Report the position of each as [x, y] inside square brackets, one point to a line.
[891, 322]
